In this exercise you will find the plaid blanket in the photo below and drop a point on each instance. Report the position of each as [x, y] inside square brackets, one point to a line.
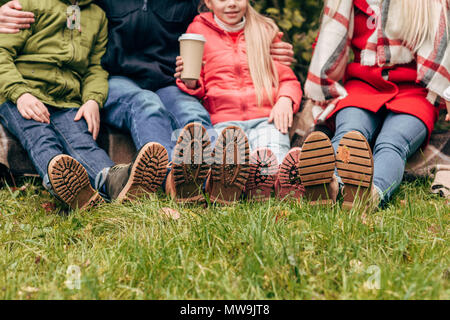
[383, 48]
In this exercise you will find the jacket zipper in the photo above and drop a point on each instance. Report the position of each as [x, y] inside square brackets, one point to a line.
[63, 89]
[144, 8]
[238, 70]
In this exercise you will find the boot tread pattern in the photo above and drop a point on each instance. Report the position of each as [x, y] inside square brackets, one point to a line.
[230, 168]
[317, 160]
[263, 167]
[231, 158]
[354, 160]
[148, 170]
[192, 156]
[262, 176]
[70, 182]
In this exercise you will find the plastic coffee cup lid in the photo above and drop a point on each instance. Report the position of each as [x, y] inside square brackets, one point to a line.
[447, 94]
[192, 36]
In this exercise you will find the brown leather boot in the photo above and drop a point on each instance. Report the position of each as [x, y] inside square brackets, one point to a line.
[70, 183]
[230, 168]
[143, 176]
[190, 165]
[355, 167]
[316, 167]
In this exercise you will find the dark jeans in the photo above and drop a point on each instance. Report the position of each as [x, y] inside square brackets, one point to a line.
[62, 136]
[151, 116]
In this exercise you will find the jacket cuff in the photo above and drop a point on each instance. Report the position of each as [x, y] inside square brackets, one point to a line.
[199, 92]
[97, 98]
[295, 96]
[17, 92]
[447, 94]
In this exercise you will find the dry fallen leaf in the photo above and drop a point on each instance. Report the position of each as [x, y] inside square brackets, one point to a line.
[30, 289]
[435, 229]
[22, 188]
[364, 219]
[282, 215]
[343, 154]
[48, 206]
[170, 213]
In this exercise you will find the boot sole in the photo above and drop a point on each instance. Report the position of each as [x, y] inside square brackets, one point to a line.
[231, 168]
[147, 173]
[263, 171]
[316, 167]
[355, 167]
[288, 176]
[70, 182]
[190, 169]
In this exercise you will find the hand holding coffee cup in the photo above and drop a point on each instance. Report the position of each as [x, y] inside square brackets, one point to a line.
[191, 84]
[189, 64]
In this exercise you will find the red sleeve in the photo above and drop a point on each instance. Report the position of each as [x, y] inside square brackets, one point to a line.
[199, 93]
[289, 86]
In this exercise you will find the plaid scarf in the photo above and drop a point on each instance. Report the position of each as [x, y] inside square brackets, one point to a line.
[331, 54]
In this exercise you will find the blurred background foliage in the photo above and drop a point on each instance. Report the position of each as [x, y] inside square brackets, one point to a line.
[299, 20]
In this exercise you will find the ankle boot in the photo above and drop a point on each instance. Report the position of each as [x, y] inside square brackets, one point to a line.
[143, 176]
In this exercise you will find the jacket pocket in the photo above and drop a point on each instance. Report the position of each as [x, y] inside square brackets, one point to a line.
[39, 76]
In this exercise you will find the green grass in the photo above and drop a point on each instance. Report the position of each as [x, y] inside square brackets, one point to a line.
[274, 250]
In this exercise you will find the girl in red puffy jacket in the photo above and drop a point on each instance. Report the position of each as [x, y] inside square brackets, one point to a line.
[244, 89]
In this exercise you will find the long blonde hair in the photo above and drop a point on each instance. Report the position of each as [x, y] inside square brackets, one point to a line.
[416, 20]
[260, 32]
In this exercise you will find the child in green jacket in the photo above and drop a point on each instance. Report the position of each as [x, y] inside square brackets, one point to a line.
[51, 88]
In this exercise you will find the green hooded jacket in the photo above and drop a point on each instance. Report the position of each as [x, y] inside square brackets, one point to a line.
[59, 66]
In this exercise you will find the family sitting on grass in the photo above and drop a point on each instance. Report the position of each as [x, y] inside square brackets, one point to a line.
[64, 69]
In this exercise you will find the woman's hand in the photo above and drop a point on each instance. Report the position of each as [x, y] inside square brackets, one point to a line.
[191, 84]
[282, 114]
[282, 52]
[90, 112]
[13, 19]
[31, 107]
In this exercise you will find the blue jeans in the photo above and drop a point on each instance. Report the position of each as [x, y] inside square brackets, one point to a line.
[151, 116]
[395, 137]
[261, 134]
[62, 136]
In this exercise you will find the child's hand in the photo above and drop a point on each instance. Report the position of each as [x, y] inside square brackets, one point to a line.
[90, 112]
[191, 84]
[282, 114]
[31, 107]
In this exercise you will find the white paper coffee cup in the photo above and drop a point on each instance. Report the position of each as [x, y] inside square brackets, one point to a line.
[191, 50]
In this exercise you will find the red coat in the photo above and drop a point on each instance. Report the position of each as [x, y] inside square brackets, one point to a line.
[226, 86]
[368, 90]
